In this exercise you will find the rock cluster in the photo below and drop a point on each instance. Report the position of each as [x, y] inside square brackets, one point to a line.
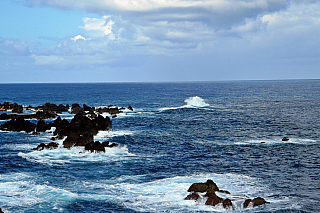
[7, 106]
[79, 132]
[210, 188]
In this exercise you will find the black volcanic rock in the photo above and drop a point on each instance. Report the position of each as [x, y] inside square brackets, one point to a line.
[18, 125]
[212, 199]
[99, 147]
[42, 146]
[203, 187]
[193, 196]
[42, 126]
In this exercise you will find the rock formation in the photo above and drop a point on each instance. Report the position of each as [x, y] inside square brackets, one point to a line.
[213, 199]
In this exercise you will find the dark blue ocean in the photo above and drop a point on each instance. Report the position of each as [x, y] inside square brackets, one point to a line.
[178, 134]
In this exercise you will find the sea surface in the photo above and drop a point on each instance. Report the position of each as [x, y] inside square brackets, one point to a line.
[178, 134]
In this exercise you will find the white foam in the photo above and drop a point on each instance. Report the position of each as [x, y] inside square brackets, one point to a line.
[167, 195]
[20, 189]
[109, 134]
[191, 102]
[277, 141]
[75, 154]
[196, 102]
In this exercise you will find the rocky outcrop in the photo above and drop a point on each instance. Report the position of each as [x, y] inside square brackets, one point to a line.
[99, 147]
[213, 199]
[18, 125]
[42, 146]
[86, 123]
[285, 139]
[258, 201]
[203, 187]
[80, 130]
[7, 106]
[39, 115]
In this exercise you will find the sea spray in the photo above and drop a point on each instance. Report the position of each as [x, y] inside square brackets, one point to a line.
[196, 102]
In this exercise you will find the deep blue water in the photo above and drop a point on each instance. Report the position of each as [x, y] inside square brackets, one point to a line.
[179, 133]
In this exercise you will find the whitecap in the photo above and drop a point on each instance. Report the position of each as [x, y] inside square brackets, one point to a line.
[76, 154]
[20, 189]
[277, 141]
[191, 102]
[196, 102]
[109, 134]
[167, 195]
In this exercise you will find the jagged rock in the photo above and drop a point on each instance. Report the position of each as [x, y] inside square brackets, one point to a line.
[246, 203]
[227, 204]
[42, 126]
[203, 187]
[213, 199]
[285, 139]
[130, 108]
[224, 191]
[211, 188]
[98, 147]
[15, 108]
[42, 146]
[193, 196]
[1, 211]
[74, 139]
[18, 125]
[259, 201]
[4, 116]
[87, 108]
[76, 109]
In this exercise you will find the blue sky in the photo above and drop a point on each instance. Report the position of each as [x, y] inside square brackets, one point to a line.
[158, 40]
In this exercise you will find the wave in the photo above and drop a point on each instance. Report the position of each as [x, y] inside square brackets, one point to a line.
[167, 195]
[18, 189]
[196, 102]
[61, 156]
[191, 102]
[102, 135]
[277, 141]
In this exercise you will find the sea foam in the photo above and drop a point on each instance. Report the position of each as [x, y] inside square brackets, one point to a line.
[21, 189]
[167, 195]
[62, 156]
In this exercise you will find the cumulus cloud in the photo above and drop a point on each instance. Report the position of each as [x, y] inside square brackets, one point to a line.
[268, 28]
[14, 47]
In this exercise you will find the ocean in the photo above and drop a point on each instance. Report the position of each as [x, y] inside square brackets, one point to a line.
[178, 134]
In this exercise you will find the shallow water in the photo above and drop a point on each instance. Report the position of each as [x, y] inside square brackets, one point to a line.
[178, 134]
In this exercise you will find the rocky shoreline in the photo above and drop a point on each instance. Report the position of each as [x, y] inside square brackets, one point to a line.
[80, 131]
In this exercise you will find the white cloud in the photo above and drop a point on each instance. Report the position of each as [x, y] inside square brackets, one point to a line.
[237, 28]
[14, 47]
[78, 37]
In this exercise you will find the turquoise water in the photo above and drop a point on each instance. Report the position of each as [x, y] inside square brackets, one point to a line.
[178, 134]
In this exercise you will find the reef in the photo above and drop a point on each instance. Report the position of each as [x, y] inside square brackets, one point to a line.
[210, 188]
[80, 131]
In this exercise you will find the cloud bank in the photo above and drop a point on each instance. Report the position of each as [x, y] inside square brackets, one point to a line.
[242, 31]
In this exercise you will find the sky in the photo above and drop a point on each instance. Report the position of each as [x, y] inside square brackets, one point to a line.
[47, 41]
